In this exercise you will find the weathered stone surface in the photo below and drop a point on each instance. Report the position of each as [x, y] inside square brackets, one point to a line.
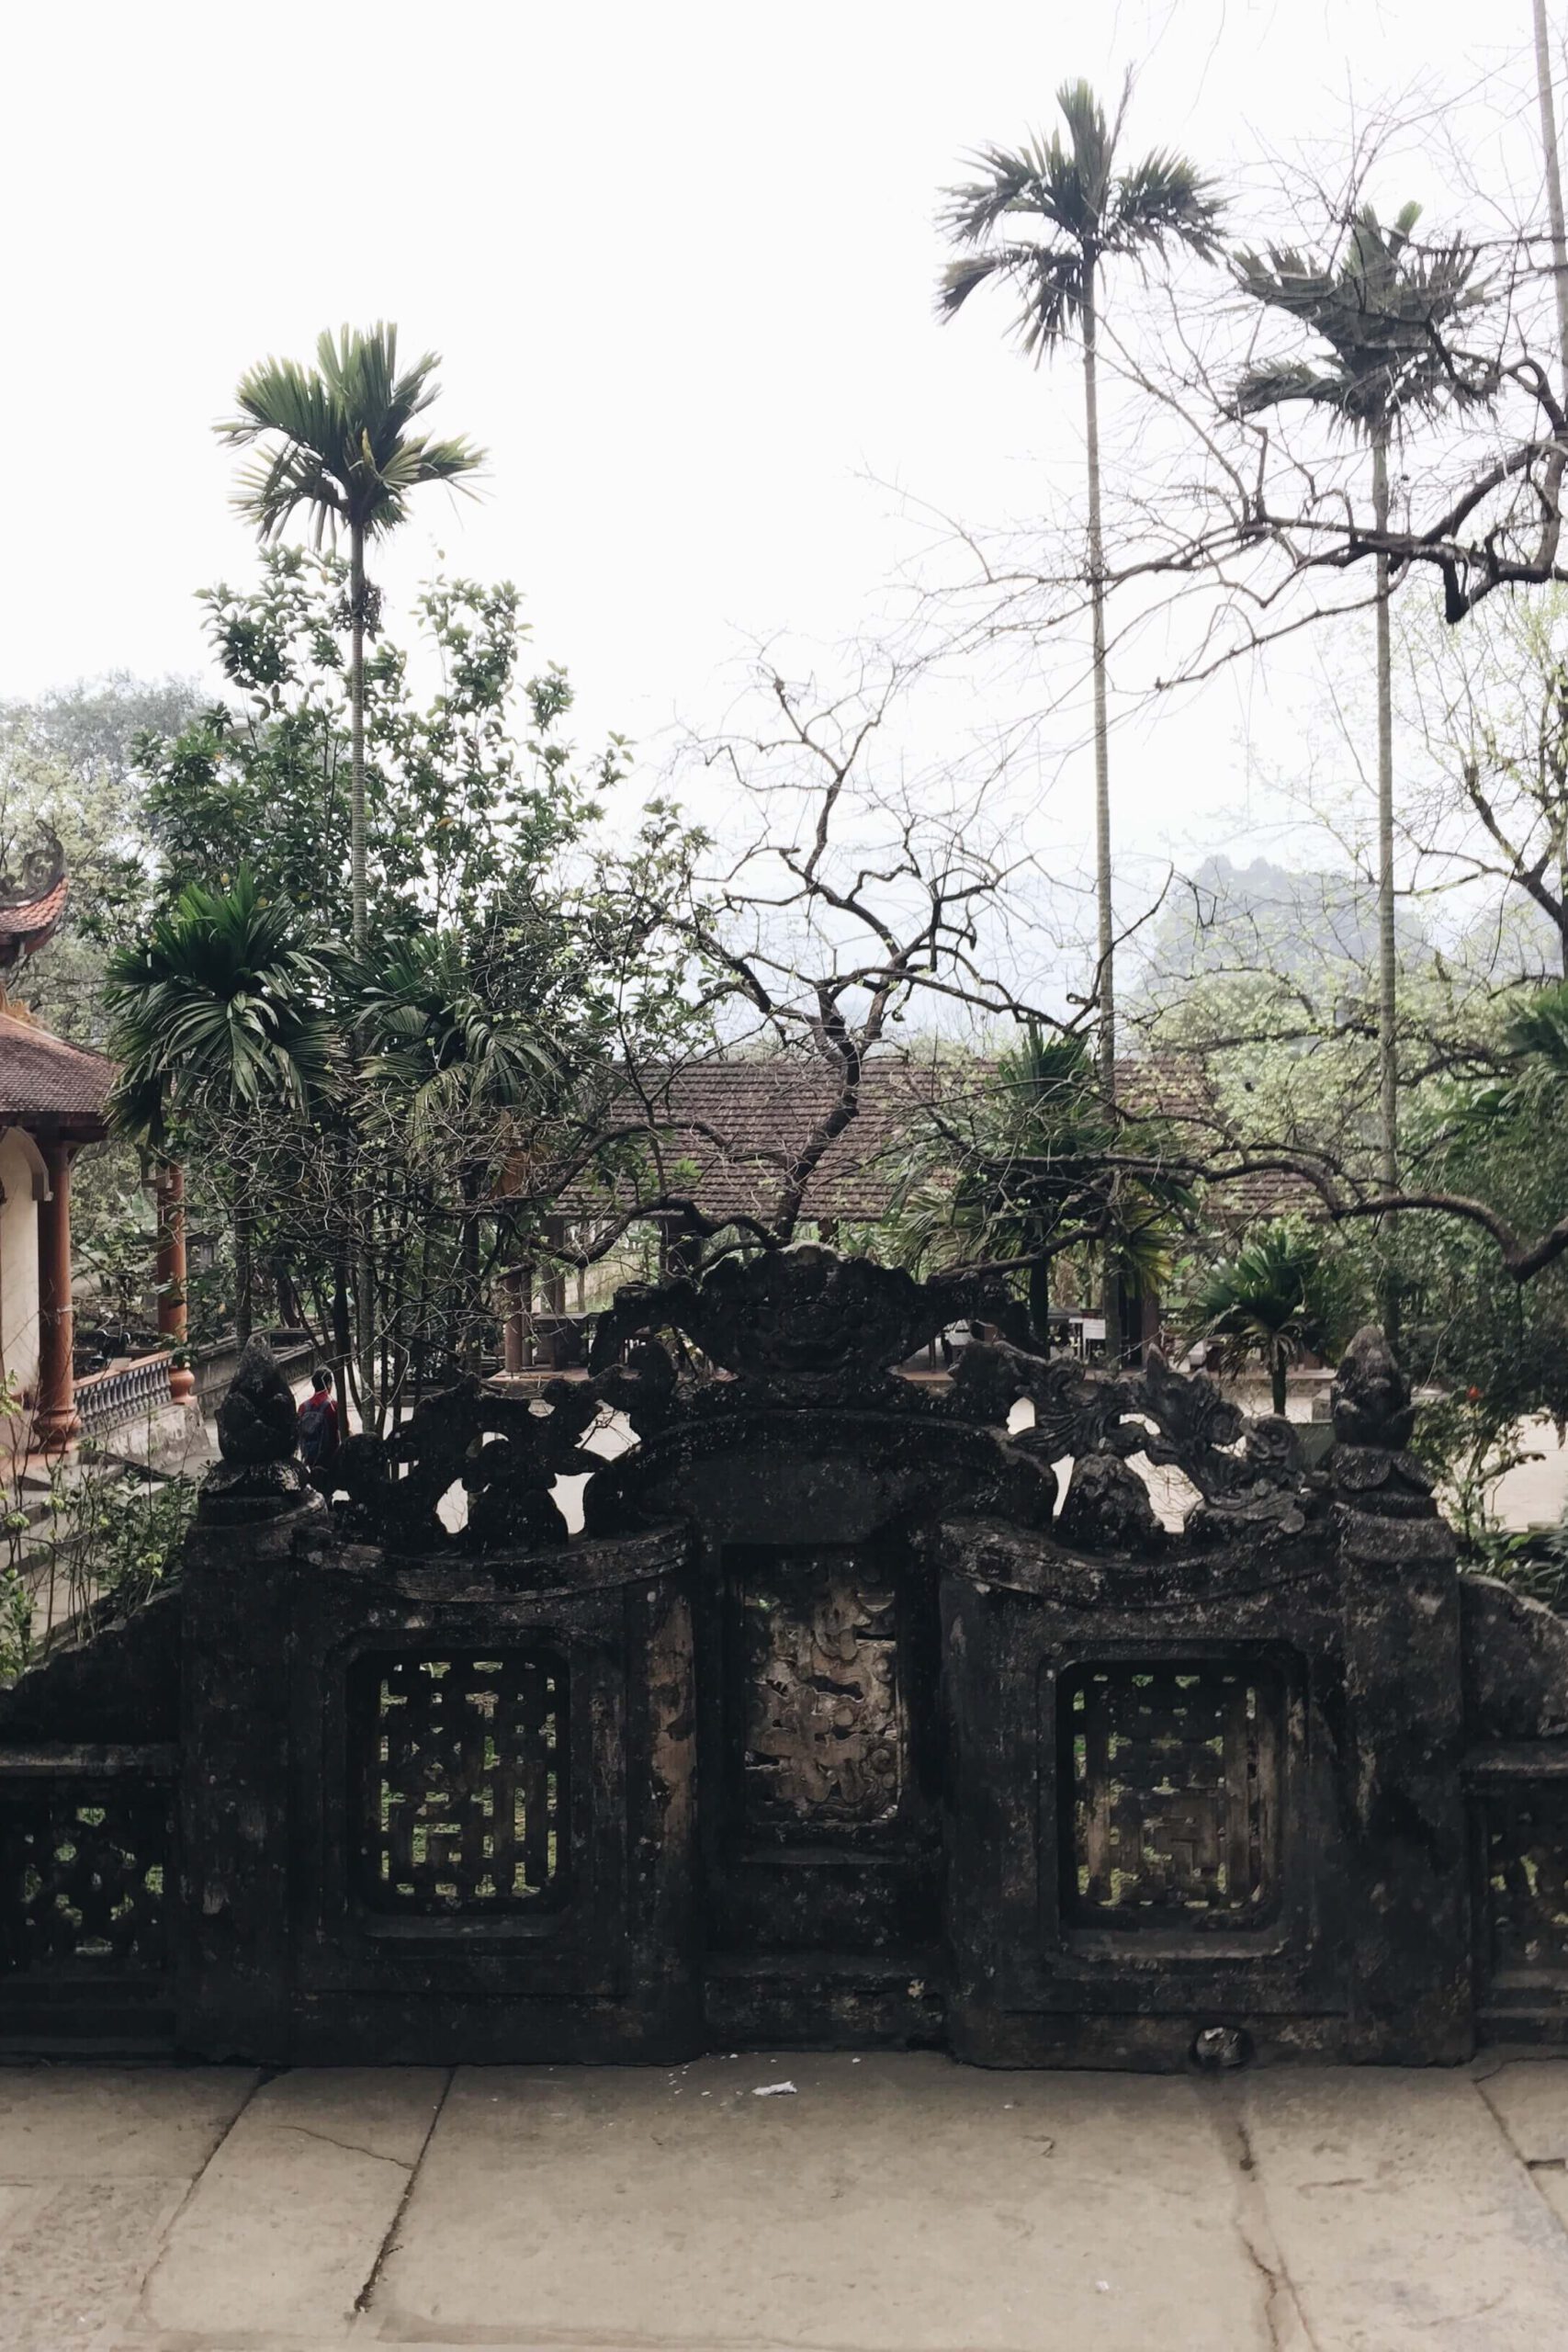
[1530, 2098]
[122, 1685]
[1371, 1397]
[1108, 1510]
[256, 1420]
[804, 1320]
[1516, 1664]
[71, 2273]
[115, 2122]
[286, 2225]
[826, 1730]
[259, 1476]
[889, 2205]
[1400, 2215]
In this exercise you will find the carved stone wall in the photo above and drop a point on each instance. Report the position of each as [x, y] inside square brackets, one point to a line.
[850, 1716]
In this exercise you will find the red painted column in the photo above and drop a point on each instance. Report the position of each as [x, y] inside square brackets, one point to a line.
[171, 1274]
[55, 1417]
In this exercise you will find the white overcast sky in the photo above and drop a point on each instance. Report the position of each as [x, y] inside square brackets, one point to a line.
[679, 260]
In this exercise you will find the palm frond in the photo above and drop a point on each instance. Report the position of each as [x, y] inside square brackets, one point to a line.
[1165, 200]
[1389, 314]
[1084, 211]
[335, 440]
[220, 1006]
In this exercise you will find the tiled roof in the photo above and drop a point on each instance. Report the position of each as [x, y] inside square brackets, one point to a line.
[43, 1077]
[725, 1131]
[27, 923]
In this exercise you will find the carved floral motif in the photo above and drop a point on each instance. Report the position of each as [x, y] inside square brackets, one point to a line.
[824, 1738]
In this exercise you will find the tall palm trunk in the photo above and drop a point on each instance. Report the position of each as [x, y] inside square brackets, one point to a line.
[363, 1274]
[1553, 183]
[1552, 163]
[1105, 976]
[356, 714]
[1388, 978]
[1040, 1298]
[245, 1274]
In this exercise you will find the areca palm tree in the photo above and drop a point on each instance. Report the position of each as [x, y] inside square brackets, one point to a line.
[218, 1014]
[1080, 213]
[334, 442]
[1387, 313]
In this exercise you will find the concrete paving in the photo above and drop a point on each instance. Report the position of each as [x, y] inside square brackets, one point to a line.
[884, 2204]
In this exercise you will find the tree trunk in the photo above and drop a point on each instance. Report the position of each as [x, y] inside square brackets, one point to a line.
[1552, 161]
[356, 710]
[245, 1276]
[1277, 1378]
[1105, 971]
[1105, 978]
[1040, 1301]
[470, 1333]
[343, 1336]
[1388, 977]
[1553, 183]
[364, 1271]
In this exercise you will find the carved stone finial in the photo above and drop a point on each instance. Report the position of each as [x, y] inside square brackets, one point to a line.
[255, 1421]
[1371, 1395]
[1108, 1509]
[1384, 1499]
[258, 1475]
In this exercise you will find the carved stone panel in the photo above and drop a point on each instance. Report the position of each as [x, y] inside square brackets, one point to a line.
[461, 1767]
[83, 1880]
[1172, 1782]
[820, 1708]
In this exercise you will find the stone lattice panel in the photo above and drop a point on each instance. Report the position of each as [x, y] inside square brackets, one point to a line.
[82, 1879]
[461, 1776]
[1171, 1812]
[824, 1733]
[1527, 1877]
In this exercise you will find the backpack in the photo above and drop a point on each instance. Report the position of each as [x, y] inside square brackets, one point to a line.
[316, 1431]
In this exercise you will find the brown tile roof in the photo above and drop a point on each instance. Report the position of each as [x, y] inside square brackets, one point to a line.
[43, 1077]
[25, 923]
[1241, 1201]
[727, 1129]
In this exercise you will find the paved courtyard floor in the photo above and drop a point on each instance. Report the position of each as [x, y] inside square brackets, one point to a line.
[888, 2204]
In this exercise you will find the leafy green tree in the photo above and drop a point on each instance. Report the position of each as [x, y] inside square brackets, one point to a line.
[1278, 1297]
[68, 784]
[1021, 1161]
[1080, 213]
[1387, 312]
[335, 443]
[463, 790]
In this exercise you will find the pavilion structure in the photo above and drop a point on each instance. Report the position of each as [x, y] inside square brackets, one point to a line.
[53, 1102]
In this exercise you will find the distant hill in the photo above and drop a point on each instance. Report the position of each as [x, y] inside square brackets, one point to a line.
[1265, 917]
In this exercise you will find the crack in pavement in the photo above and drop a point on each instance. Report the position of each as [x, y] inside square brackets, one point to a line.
[388, 2244]
[265, 2075]
[1284, 2317]
[349, 2147]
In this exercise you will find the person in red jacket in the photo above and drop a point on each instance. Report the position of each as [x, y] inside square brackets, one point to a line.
[319, 1434]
